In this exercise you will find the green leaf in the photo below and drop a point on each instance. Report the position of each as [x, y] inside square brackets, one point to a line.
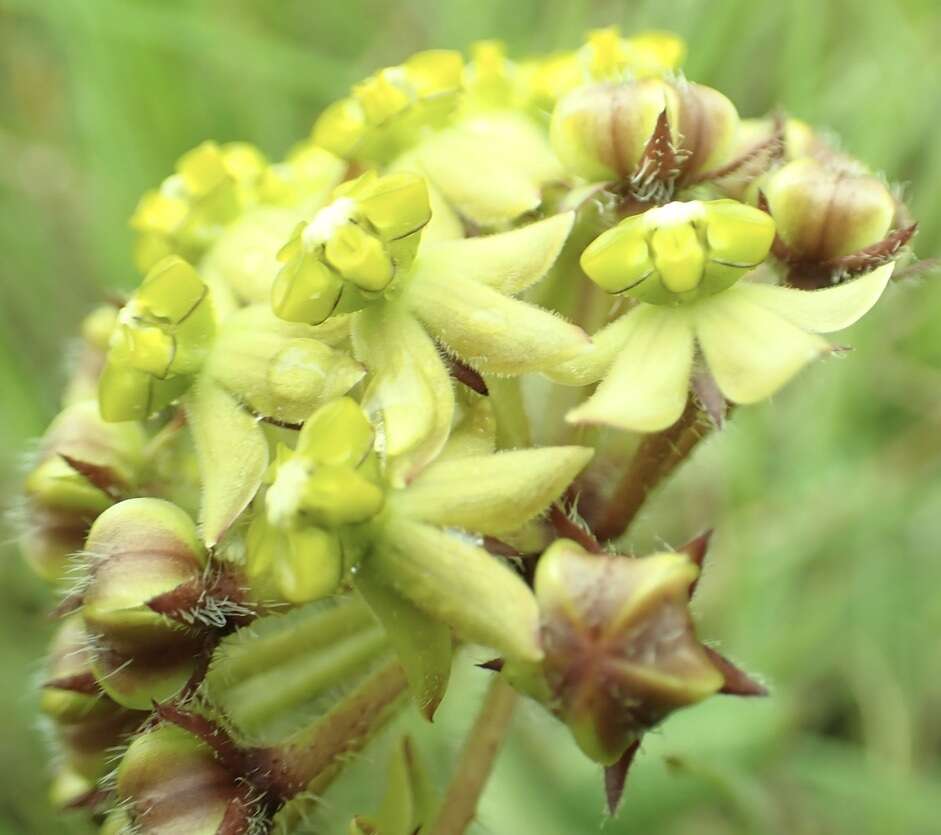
[232, 452]
[492, 494]
[423, 645]
[456, 583]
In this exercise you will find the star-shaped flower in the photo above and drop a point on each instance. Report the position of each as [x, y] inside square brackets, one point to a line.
[359, 254]
[683, 263]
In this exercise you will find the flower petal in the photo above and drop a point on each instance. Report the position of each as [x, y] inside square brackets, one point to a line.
[232, 453]
[647, 387]
[751, 351]
[492, 494]
[457, 583]
[410, 390]
[490, 169]
[827, 310]
[509, 262]
[590, 365]
[491, 332]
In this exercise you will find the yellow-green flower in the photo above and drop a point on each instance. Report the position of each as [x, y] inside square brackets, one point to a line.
[387, 111]
[365, 237]
[683, 262]
[212, 185]
[161, 339]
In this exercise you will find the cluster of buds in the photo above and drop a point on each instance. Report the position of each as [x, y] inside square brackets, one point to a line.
[308, 462]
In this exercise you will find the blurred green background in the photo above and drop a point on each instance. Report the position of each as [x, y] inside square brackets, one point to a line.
[826, 570]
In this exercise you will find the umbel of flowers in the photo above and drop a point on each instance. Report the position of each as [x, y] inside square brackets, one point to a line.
[324, 447]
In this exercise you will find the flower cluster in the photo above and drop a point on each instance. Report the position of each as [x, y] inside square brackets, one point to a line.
[325, 444]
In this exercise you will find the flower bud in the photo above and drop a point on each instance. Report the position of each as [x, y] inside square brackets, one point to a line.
[162, 337]
[139, 549]
[612, 131]
[680, 252]
[170, 783]
[278, 369]
[601, 132]
[620, 647]
[367, 235]
[82, 464]
[388, 110]
[87, 725]
[825, 212]
[211, 187]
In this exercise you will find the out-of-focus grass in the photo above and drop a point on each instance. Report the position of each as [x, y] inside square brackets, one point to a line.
[827, 502]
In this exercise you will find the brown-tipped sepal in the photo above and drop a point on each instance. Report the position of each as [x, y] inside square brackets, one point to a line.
[621, 651]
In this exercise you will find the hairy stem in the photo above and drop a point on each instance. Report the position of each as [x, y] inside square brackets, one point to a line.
[483, 743]
[656, 458]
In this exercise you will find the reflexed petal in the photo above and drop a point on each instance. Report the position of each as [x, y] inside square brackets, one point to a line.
[590, 365]
[410, 392]
[492, 494]
[822, 311]
[491, 170]
[647, 387]
[509, 262]
[751, 351]
[459, 584]
[492, 332]
[232, 452]
[423, 645]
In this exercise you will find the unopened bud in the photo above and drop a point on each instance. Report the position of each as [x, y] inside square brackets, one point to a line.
[621, 652]
[824, 212]
[170, 783]
[277, 369]
[390, 108]
[680, 252]
[139, 549]
[601, 132]
[212, 185]
[614, 131]
[367, 235]
[82, 466]
[87, 725]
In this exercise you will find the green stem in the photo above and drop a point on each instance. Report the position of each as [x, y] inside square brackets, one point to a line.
[656, 458]
[483, 743]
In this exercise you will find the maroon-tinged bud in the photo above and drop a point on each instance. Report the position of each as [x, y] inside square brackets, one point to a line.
[650, 135]
[621, 651]
[86, 724]
[172, 784]
[833, 221]
[83, 464]
[140, 549]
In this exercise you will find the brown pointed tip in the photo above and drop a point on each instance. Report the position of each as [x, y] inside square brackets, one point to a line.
[615, 778]
[697, 548]
[179, 600]
[103, 478]
[494, 665]
[238, 818]
[464, 374]
[710, 396]
[84, 683]
[737, 681]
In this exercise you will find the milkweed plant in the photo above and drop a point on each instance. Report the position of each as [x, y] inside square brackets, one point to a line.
[364, 419]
